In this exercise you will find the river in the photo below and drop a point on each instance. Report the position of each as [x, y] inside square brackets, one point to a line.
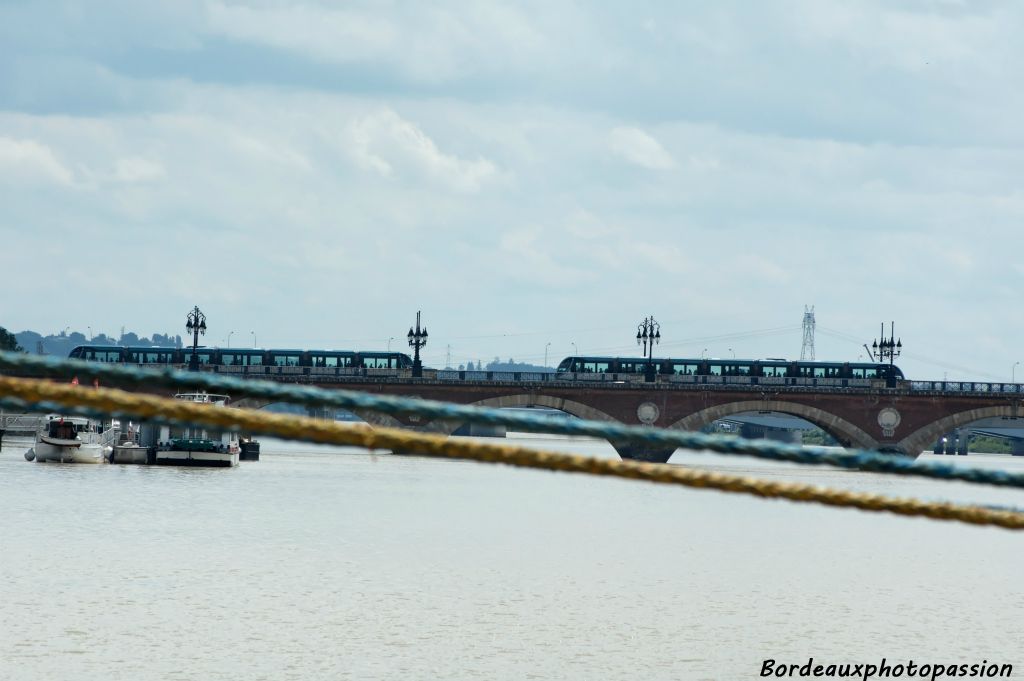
[323, 563]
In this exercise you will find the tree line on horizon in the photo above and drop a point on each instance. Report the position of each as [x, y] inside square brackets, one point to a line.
[63, 343]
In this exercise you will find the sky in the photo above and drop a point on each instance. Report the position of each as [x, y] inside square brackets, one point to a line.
[536, 177]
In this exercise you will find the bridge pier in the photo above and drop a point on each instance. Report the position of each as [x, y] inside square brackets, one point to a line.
[480, 430]
[963, 437]
[754, 432]
[952, 443]
[635, 452]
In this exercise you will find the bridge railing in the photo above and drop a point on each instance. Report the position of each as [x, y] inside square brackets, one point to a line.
[328, 374]
[966, 387]
[21, 423]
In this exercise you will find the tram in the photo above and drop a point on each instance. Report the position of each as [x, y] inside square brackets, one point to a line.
[244, 360]
[757, 371]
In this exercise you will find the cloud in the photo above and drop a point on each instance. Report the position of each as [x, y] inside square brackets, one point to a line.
[25, 160]
[133, 170]
[541, 164]
[339, 35]
[389, 145]
[639, 148]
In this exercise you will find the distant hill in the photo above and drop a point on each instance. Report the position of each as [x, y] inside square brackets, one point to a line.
[61, 344]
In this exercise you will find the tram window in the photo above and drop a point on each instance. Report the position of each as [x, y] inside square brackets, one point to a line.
[684, 369]
[328, 361]
[714, 369]
[871, 373]
[772, 372]
[596, 367]
[286, 360]
[238, 359]
[819, 372]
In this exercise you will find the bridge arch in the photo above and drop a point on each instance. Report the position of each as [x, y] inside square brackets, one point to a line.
[839, 428]
[524, 400]
[922, 438]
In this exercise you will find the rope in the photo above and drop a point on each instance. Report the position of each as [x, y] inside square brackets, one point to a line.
[861, 460]
[32, 393]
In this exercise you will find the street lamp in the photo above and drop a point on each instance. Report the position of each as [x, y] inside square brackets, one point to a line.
[195, 324]
[229, 338]
[89, 329]
[575, 350]
[648, 332]
[253, 339]
[733, 352]
[1013, 372]
[390, 338]
[887, 347]
[546, 346]
[417, 339]
[704, 353]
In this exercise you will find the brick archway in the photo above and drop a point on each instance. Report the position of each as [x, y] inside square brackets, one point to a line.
[843, 431]
[922, 438]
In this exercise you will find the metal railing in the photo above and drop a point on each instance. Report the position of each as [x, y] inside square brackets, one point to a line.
[21, 423]
[301, 374]
[974, 387]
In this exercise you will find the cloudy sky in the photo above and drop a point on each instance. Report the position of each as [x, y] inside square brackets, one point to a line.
[529, 173]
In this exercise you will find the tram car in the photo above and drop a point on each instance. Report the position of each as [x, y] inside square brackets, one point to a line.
[252, 361]
[747, 371]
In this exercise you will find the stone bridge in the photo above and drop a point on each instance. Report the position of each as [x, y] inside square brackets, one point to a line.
[902, 419]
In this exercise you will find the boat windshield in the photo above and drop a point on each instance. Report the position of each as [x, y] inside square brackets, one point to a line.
[61, 429]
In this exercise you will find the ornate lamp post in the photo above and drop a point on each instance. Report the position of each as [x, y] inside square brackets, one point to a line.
[887, 347]
[1013, 372]
[195, 324]
[417, 339]
[648, 332]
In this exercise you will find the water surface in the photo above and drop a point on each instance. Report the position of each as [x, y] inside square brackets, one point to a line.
[320, 563]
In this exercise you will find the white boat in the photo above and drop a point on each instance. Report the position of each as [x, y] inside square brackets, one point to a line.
[129, 447]
[196, 445]
[69, 439]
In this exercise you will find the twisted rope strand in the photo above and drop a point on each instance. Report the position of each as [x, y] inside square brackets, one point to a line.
[117, 402]
[862, 460]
